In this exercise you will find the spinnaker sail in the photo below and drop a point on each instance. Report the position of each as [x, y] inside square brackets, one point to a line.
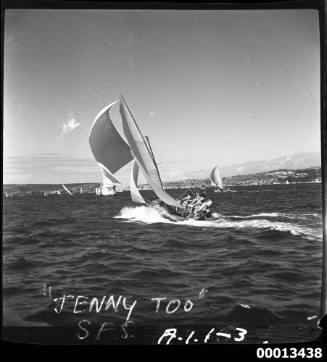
[215, 178]
[66, 189]
[108, 147]
[135, 193]
[142, 154]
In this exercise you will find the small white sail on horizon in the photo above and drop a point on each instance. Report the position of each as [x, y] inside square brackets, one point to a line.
[66, 189]
[109, 182]
[216, 179]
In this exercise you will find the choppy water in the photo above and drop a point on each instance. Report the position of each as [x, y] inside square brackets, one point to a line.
[258, 260]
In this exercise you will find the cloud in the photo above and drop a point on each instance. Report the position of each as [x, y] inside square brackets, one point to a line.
[69, 126]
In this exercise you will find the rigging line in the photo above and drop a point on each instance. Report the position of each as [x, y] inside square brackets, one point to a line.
[154, 160]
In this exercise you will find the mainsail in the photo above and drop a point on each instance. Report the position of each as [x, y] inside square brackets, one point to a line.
[137, 143]
[143, 154]
[135, 193]
[66, 189]
[108, 148]
[215, 178]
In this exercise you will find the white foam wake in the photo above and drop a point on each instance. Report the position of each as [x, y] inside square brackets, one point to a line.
[145, 214]
[151, 215]
[280, 214]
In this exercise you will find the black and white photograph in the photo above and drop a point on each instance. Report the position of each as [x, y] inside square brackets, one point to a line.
[162, 179]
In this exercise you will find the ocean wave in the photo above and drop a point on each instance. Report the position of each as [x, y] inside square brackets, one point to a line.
[151, 215]
[21, 263]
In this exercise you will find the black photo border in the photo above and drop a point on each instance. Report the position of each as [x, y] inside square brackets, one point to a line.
[37, 337]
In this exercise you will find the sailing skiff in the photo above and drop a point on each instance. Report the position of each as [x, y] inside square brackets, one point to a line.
[112, 153]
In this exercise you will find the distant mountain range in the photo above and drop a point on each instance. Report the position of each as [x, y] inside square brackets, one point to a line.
[293, 162]
[280, 176]
[312, 174]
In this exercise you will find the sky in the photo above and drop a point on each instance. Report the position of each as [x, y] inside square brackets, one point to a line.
[207, 87]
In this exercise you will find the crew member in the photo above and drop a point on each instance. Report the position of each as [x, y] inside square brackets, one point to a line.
[203, 191]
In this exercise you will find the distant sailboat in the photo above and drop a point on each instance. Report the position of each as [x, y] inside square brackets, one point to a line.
[66, 189]
[216, 179]
[109, 150]
[108, 187]
[119, 188]
[81, 190]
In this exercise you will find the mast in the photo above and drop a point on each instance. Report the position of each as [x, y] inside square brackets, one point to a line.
[154, 160]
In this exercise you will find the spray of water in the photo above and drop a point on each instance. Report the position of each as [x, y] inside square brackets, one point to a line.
[265, 221]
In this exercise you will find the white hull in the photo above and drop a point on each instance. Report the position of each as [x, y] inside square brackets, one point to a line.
[105, 191]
